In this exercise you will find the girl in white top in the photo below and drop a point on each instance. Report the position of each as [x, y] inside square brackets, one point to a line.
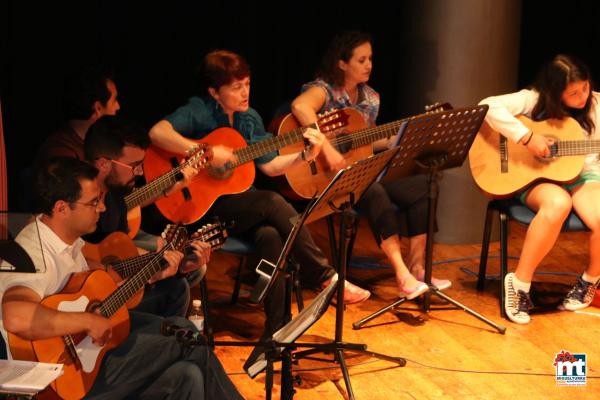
[561, 90]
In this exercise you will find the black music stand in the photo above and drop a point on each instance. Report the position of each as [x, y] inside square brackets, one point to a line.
[13, 258]
[340, 196]
[431, 143]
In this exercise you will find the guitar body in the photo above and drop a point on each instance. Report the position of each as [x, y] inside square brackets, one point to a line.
[303, 180]
[134, 221]
[207, 186]
[83, 292]
[117, 246]
[521, 167]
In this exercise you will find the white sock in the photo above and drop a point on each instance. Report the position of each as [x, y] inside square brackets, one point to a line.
[520, 285]
[591, 279]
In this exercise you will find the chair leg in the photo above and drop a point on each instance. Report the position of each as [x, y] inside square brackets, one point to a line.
[238, 280]
[485, 248]
[503, 258]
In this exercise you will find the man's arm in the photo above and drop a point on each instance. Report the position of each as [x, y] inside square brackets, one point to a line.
[24, 316]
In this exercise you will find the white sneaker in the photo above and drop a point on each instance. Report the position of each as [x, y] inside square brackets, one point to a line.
[516, 303]
[580, 296]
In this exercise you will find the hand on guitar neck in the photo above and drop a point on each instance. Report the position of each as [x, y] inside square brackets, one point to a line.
[172, 258]
[199, 255]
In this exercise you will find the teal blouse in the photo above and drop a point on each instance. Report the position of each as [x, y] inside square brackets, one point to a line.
[202, 115]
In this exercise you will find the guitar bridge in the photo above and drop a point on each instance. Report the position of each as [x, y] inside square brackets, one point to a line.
[71, 351]
[503, 155]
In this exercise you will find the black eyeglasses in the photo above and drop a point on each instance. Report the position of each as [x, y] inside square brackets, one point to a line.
[93, 203]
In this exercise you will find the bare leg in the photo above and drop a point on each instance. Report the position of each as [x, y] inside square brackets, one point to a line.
[416, 253]
[392, 249]
[553, 204]
[586, 202]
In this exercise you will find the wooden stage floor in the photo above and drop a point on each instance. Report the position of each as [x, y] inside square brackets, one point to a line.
[450, 354]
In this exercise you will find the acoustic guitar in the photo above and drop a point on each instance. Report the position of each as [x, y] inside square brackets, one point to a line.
[90, 291]
[197, 157]
[119, 251]
[501, 167]
[353, 141]
[193, 202]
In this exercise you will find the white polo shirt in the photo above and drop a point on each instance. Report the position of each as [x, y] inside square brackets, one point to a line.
[54, 260]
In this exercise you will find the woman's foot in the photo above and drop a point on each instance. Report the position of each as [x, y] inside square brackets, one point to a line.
[441, 284]
[411, 288]
[352, 293]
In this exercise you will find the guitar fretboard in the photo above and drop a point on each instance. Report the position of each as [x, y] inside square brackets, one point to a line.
[120, 296]
[367, 136]
[131, 266]
[263, 147]
[575, 147]
[160, 185]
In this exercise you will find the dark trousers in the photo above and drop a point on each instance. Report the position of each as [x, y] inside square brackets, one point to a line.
[396, 208]
[166, 298]
[149, 365]
[264, 217]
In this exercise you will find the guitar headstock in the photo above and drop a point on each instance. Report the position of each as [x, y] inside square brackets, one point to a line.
[175, 235]
[332, 120]
[199, 155]
[214, 234]
[437, 107]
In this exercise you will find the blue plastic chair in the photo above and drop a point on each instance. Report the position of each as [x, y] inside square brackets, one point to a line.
[243, 249]
[511, 209]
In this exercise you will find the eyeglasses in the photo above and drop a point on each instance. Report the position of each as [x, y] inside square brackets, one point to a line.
[136, 169]
[95, 203]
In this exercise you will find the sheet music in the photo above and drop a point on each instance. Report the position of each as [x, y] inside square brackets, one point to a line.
[27, 376]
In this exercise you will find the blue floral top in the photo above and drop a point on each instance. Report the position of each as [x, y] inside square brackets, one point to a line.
[367, 104]
[202, 115]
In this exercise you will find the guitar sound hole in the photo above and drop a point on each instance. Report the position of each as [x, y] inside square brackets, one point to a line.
[219, 173]
[344, 144]
[109, 260]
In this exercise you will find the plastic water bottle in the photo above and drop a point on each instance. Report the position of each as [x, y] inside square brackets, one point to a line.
[196, 315]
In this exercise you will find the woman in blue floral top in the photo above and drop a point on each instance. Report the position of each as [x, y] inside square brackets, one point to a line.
[342, 82]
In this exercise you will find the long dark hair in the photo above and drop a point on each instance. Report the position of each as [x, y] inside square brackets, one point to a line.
[551, 83]
[341, 48]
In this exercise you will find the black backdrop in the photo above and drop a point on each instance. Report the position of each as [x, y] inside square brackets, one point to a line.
[154, 49]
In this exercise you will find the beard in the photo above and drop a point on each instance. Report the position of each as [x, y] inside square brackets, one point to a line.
[120, 188]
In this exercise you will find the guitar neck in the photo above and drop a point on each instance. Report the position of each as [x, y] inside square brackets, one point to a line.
[154, 189]
[575, 147]
[120, 296]
[267, 146]
[367, 136]
[128, 268]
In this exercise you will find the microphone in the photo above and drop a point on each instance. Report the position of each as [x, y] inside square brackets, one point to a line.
[189, 337]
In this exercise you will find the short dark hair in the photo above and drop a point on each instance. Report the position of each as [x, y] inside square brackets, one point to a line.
[341, 47]
[110, 134]
[221, 67]
[59, 178]
[83, 88]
